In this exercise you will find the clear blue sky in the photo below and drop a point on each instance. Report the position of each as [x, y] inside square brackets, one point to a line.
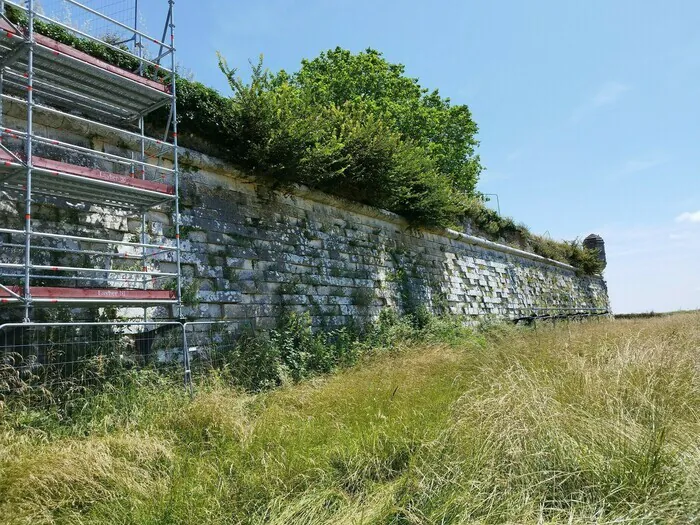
[588, 112]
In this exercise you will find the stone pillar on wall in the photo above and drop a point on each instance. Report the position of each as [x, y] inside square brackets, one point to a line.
[596, 243]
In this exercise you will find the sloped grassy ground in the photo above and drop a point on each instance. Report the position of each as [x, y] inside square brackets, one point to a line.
[596, 422]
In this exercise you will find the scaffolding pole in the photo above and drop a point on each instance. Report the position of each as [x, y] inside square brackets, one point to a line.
[138, 43]
[175, 157]
[28, 154]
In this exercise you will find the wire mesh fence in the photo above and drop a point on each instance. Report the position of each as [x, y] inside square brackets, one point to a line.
[48, 364]
[55, 364]
[44, 364]
[210, 348]
[555, 314]
[123, 11]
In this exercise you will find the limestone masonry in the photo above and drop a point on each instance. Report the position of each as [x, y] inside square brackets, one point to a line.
[251, 253]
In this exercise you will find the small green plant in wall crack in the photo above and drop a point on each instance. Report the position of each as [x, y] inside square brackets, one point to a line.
[363, 297]
[189, 292]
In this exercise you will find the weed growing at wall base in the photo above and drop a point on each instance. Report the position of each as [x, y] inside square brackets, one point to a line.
[292, 352]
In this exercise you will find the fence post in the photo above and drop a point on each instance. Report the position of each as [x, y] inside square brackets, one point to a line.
[189, 386]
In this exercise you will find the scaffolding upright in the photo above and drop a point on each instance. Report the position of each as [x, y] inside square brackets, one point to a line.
[130, 175]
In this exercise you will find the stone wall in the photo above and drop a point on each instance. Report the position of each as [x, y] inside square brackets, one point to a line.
[250, 253]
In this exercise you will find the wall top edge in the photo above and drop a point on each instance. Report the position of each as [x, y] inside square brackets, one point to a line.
[209, 163]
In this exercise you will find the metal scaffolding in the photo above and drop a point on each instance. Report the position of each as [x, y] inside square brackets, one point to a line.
[44, 78]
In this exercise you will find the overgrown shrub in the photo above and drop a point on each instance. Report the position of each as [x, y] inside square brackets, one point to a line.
[491, 225]
[260, 360]
[292, 352]
[285, 130]
[253, 363]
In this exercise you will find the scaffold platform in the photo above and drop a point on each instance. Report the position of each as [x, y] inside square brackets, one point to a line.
[68, 181]
[67, 78]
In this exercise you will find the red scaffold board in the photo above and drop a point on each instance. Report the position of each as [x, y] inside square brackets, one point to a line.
[55, 294]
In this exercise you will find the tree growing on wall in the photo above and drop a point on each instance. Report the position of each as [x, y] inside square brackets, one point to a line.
[446, 132]
[356, 126]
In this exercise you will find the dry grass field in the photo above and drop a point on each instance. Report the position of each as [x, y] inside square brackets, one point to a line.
[595, 422]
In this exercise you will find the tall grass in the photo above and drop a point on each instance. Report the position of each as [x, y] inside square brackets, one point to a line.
[596, 422]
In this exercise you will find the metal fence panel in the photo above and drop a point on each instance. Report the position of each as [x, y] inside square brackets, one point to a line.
[46, 363]
[210, 346]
